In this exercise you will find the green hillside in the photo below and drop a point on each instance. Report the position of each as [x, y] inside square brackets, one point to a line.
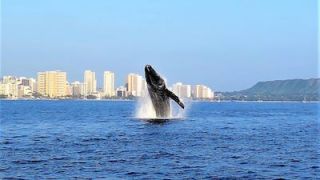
[288, 90]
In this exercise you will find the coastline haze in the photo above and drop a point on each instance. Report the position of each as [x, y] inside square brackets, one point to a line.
[225, 45]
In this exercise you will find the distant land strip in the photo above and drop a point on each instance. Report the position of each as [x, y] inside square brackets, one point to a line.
[278, 90]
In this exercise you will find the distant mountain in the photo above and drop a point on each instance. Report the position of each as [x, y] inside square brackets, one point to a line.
[279, 90]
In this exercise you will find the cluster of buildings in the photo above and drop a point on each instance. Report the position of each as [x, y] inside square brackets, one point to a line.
[54, 84]
[195, 92]
[13, 87]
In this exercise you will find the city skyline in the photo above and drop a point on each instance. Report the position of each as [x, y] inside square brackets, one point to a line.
[55, 84]
[229, 45]
[95, 86]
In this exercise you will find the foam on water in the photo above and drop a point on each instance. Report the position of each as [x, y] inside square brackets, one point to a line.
[145, 108]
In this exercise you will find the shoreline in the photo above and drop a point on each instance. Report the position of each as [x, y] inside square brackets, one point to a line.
[131, 100]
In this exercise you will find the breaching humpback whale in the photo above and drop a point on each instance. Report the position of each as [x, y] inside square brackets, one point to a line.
[159, 93]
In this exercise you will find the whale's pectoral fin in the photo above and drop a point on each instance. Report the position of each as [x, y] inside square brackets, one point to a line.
[175, 98]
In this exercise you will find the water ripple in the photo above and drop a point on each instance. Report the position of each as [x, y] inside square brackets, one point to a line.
[92, 139]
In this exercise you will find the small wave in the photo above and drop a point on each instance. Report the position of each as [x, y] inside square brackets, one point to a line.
[295, 160]
[29, 161]
[78, 162]
[162, 154]
[278, 165]
[187, 167]
[59, 158]
[235, 157]
[93, 139]
[58, 139]
[2, 169]
[85, 151]
[42, 149]
[243, 163]
[6, 142]
[227, 127]
[117, 161]
[41, 137]
[132, 173]
[19, 136]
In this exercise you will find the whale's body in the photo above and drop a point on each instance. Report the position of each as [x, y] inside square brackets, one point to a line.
[159, 94]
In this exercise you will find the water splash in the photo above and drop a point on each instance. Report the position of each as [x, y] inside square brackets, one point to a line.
[145, 109]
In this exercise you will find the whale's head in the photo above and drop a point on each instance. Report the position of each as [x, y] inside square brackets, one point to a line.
[153, 78]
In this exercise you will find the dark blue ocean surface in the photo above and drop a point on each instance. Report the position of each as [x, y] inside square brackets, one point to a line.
[101, 139]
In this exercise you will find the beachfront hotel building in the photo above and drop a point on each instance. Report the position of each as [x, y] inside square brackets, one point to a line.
[108, 84]
[203, 92]
[52, 83]
[77, 89]
[135, 85]
[17, 87]
[121, 92]
[90, 82]
[9, 86]
[182, 90]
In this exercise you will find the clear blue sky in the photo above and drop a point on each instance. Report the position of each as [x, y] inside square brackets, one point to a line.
[226, 44]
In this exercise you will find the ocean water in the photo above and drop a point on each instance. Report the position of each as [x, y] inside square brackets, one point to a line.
[103, 139]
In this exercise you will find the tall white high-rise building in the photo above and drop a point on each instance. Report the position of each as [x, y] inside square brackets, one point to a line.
[203, 92]
[136, 85]
[108, 84]
[182, 90]
[90, 82]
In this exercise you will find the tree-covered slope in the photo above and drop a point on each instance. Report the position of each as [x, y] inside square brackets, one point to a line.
[278, 90]
[285, 87]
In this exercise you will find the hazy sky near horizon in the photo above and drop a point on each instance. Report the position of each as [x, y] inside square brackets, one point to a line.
[225, 44]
